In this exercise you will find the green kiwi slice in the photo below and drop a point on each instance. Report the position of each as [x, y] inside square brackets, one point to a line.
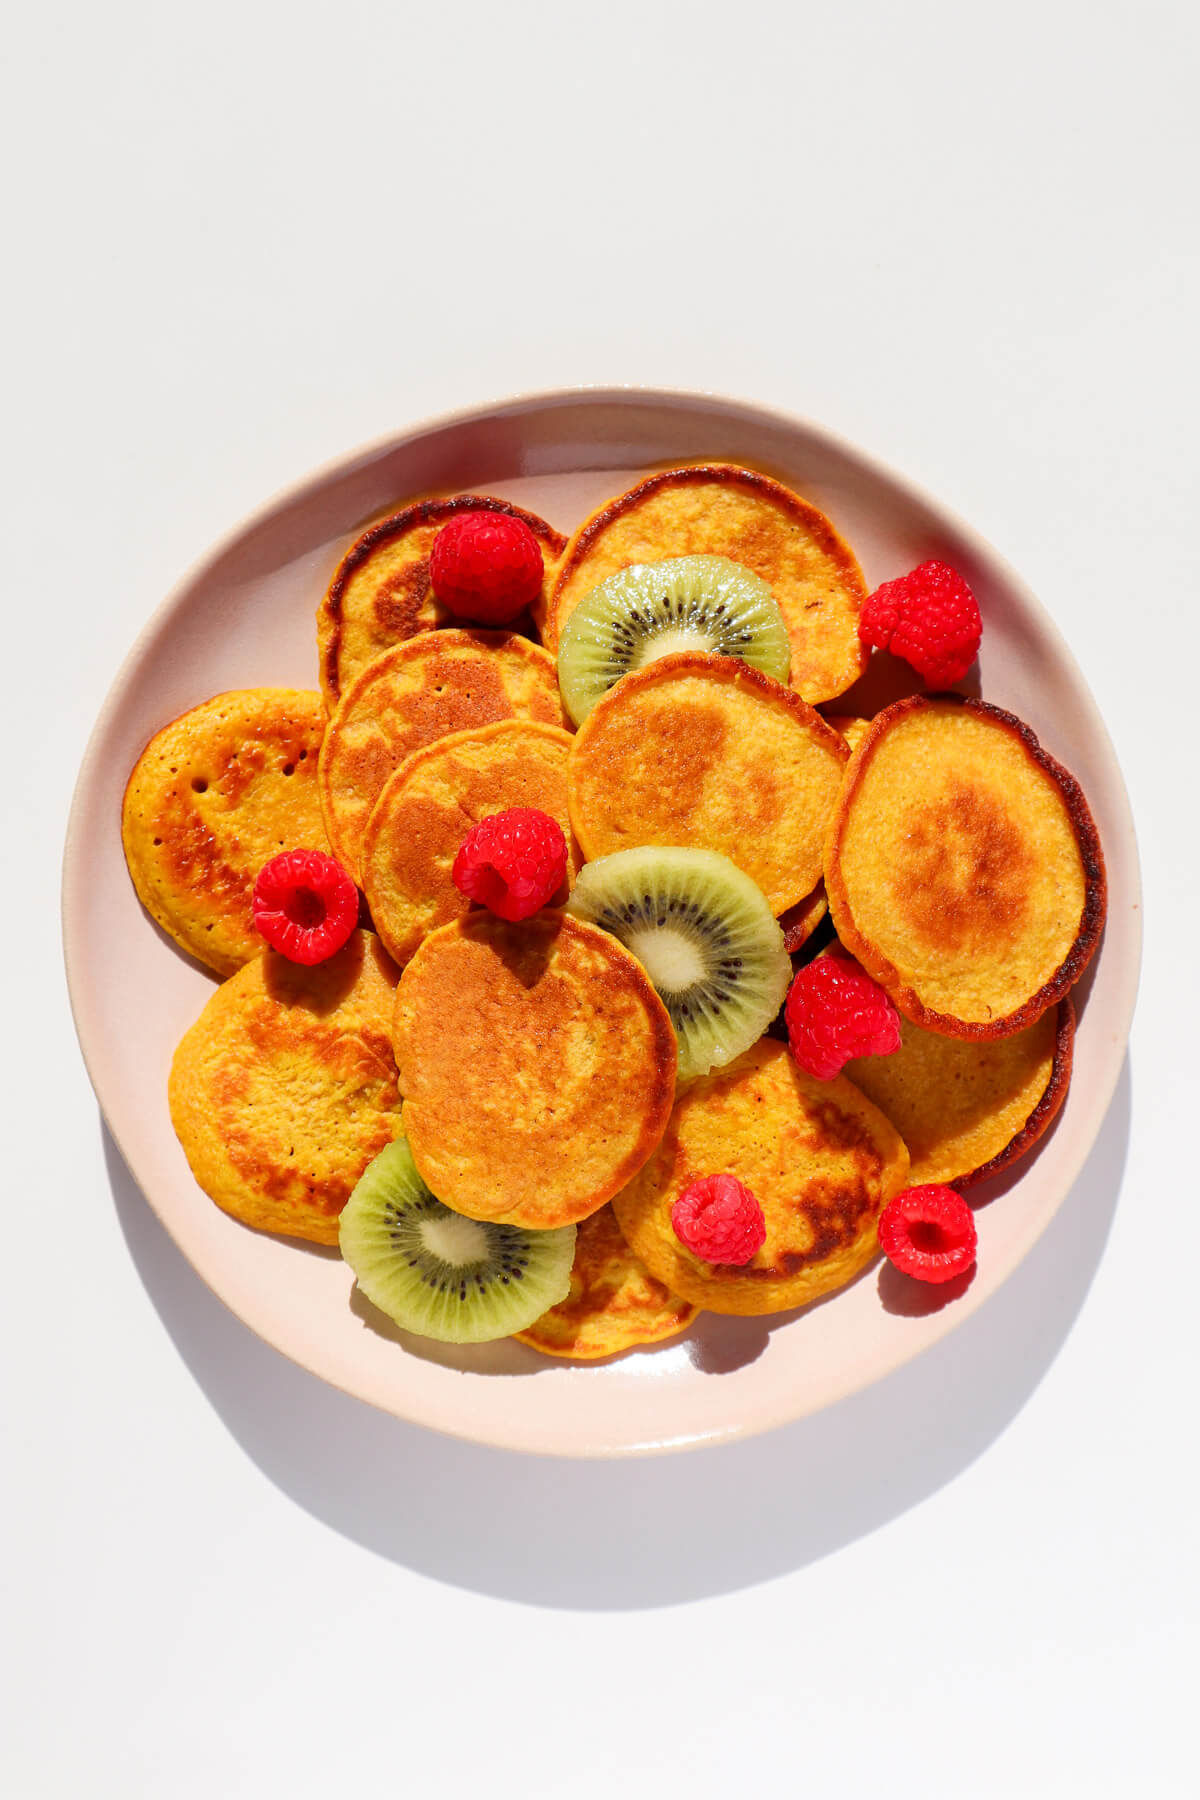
[442, 1275]
[704, 934]
[653, 609]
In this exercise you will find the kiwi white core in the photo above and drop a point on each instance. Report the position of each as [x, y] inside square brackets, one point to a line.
[669, 643]
[673, 961]
[455, 1240]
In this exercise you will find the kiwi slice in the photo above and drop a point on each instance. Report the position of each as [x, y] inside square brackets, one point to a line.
[438, 1274]
[652, 609]
[704, 934]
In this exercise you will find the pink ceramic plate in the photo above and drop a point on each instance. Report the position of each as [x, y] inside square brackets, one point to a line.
[245, 618]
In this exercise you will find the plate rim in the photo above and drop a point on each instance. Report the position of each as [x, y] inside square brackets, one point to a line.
[1126, 978]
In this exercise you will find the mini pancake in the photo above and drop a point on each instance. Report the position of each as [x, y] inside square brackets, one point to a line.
[800, 921]
[720, 510]
[380, 594]
[697, 750]
[431, 802]
[968, 1108]
[820, 1159]
[214, 796]
[537, 1066]
[424, 689]
[963, 867]
[614, 1303]
[853, 730]
[285, 1088]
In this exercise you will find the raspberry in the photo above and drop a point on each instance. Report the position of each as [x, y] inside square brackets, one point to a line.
[512, 862]
[719, 1220]
[305, 905]
[928, 1232]
[834, 1012]
[930, 617]
[486, 566]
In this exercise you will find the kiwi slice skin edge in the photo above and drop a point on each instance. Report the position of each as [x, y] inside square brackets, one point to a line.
[435, 1273]
[648, 610]
[706, 937]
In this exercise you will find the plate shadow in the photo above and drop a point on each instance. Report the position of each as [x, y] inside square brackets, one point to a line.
[644, 1532]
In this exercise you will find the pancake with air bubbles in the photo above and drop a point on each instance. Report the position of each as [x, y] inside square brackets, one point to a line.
[819, 1158]
[214, 796]
[415, 693]
[968, 1107]
[380, 594]
[717, 509]
[963, 867]
[702, 751]
[285, 1087]
[436, 796]
[614, 1302]
[537, 1065]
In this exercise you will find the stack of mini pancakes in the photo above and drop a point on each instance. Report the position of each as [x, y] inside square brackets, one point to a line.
[528, 1065]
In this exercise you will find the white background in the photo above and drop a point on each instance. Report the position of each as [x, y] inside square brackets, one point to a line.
[244, 238]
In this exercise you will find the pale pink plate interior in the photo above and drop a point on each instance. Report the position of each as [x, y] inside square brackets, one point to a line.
[244, 618]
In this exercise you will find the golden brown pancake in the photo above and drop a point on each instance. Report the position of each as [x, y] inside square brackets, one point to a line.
[963, 867]
[424, 689]
[821, 1161]
[537, 1066]
[380, 594]
[430, 804]
[719, 510]
[800, 921]
[702, 751]
[614, 1302]
[965, 1107]
[214, 796]
[285, 1088]
[852, 729]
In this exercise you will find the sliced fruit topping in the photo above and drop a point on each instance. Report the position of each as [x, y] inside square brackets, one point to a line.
[928, 1232]
[486, 566]
[930, 617]
[719, 1220]
[441, 1275]
[305, 905]
[705, 936]
[513, 862]
[654, 609]
[835, 1012]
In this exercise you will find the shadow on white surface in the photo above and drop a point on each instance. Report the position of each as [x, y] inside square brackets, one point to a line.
[652, 1531]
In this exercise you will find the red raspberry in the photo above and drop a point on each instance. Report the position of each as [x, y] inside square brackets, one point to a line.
[486, 566]
[719, 1220]
[929, 617]
[305, 905]
[834, 1012]
[928, 1232]
[512, 862]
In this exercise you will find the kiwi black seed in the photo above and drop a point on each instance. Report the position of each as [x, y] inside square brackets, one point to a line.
[652, 609]
[441, 1275]
[704, 934]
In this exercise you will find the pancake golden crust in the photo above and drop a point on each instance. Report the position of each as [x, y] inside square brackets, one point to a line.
[421, 690]
[430, 804]
[967, 1108]
[800, 921]
[963, 867]
[380, 594]
[702, 751]
[614, 1303]
[854, 730]
[537, 1065]
[285, 1087]
[821, 1160]
[213, 796]
[720, 509]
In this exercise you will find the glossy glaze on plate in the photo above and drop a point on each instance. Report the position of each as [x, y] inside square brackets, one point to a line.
[244, 617]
